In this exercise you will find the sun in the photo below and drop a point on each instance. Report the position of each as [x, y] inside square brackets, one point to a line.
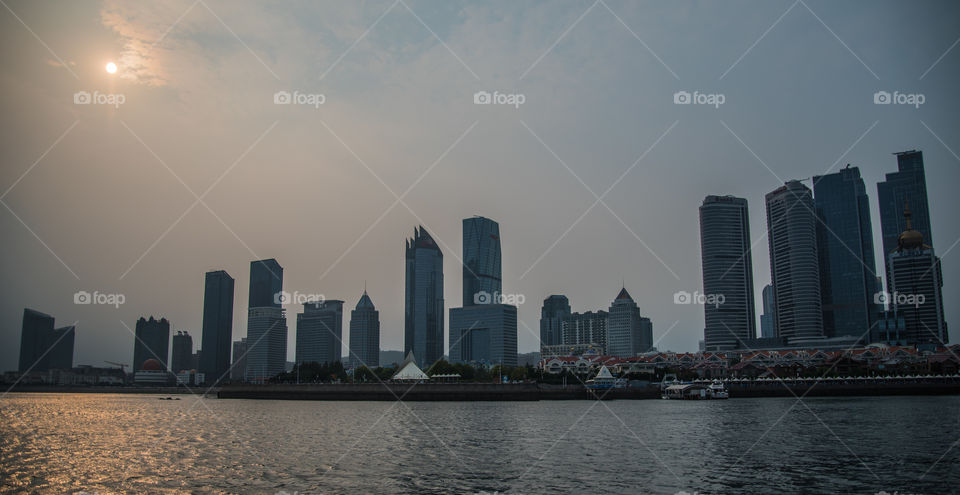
[111, 67]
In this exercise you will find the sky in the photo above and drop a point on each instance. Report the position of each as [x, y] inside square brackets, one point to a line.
[183, 161]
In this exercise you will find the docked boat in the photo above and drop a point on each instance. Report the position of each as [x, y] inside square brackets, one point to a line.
[696, 391]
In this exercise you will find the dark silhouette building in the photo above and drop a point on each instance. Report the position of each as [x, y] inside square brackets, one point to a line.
[481, 261]
[320, 332]
[908, 185]
[628, 333]
[217, 325]
[365, 334]
[423, 305]
[152, 342]
[43, 347]
[555, 309]
[182, 357]
[266, 322]
[266, 283]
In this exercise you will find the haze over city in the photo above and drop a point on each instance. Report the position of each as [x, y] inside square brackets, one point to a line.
[595, 178]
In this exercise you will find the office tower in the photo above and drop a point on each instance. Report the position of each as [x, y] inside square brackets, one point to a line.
[627, 334]
[585, 328]
[43, 347]
[845, 247]
[768, 320]
[907, 185]
[481, 261]
[555, 309]
[729, 315]
[266, 322]
[239, 363]
[217, 329]
[423, 311]
[484, 334]
[365, 334]
[794, 265]
[916, 284]
[320, 332]
[182, 356]
[152, 342]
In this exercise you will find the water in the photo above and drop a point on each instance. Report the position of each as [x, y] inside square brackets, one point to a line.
[115, 443]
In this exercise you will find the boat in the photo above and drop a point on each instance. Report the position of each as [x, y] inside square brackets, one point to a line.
[696, 391]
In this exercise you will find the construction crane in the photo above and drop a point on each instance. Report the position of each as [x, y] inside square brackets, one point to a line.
[123, 367]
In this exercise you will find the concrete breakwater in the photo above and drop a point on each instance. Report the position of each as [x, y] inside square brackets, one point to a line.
[426, 392]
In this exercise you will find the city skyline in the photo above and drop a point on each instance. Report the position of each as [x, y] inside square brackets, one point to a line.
[522, 185]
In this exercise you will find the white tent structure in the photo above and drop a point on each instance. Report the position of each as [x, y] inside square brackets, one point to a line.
[409, 371]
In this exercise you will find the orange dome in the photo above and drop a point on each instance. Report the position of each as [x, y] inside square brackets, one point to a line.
[152, 365]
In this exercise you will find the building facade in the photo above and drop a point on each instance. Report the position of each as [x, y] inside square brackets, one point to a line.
[628, 333]
[43, 347]
[586, 328]
[238, 361]
[423, 305]
[217, 329]
[320, 332]
[266, 322]
[181, 359]
[908, 185]
[555, 309]
[484, 334]
[481, 261]
[794, 264]
[768, 320]
[727, 266]
[152, 342]
[365, 334]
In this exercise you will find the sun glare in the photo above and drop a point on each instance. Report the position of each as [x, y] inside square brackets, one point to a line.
[111, 67]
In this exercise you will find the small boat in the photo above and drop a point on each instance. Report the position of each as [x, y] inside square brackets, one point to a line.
[696, 391]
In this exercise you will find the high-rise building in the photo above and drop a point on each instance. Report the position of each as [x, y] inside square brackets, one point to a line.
[845, 247]
[320, 332]
[217, 330]
[365, 334]
[794, 265]
[423, 305]
[916, 283]
[152, 342]
[556, 308]
[43, 347]
[768, 320]
[484, 334]
[481, 261]
[727, 265]
[908, 185]
[266, 322]
[588, 328]
[628, 333]
[239, 361]
[182, 357]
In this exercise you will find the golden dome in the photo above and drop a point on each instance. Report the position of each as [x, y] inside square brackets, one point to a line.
[909, 239]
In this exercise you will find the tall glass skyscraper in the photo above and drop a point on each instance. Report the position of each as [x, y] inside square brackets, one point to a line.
[484, 334]
[365, 334]
[43, 347]
[320, 332]
[768, 320]
[181, 359]
[481, 261]
[423, 308]
[794, 264]
[628, 333]
[266, 322]
[152, 342]
[556, 308]
[727, 272]
[908, 185]
[848, 276]
[217, 330]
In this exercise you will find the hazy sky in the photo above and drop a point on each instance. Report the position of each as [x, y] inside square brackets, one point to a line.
[105, 198]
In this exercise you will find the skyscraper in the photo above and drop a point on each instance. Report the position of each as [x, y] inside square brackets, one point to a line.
[217, 331]
[182, 356]
[916, 285]
[907, 185]
[794, 265]
[365, 334]
[768, 320]
[627, 333]
[556, 308]
[481, 261]
[423, 311]
[585, 328]
[266, 322]
[845, 247]
[43, 347]
[484, 334]
[727, 272]
[320, 332]
[152, 342]
[239, 360]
